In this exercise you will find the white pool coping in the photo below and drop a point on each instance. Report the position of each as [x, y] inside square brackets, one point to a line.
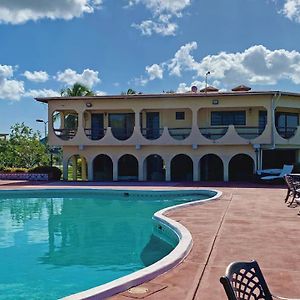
[173, 259]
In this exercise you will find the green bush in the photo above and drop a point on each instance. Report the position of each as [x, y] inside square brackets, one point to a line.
[14, 170]
[54, 173]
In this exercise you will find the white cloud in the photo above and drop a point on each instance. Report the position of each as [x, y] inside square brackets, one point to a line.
[154, 71]
[10, 89]
[41, 93]
[162, 11]
[21, 11]
[36, 76]
[87, 77]
[100, 93]
[291, 10]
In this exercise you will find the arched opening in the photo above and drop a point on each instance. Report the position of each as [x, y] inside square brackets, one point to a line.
[241, 168]
[155, 168]
[127, 168]
[77, 168]
[102, 168]
[211, 168]
[181, 168]
[65, 124]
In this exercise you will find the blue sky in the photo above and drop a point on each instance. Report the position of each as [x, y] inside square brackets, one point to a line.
[148, 45]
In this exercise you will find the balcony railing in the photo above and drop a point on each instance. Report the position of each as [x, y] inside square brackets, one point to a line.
[95, 133]
[179, 133]
[213, 133]
[122, 133]
[65, 134]
[286, 132]
[152, 133]
[248, 132]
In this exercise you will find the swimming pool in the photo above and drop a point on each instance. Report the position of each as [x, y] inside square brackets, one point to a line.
[54, 243]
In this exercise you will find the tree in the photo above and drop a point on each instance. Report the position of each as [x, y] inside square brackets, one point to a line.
[129, 92]
[23, 149]
[77, 90]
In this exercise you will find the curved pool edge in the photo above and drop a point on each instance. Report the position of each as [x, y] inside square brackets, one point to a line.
[170, 261]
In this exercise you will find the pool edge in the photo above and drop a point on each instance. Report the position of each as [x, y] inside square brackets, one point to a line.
[173, 259]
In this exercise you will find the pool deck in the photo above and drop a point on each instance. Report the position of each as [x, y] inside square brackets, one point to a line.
[248, 222]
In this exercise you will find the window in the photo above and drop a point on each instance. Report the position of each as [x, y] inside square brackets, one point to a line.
[180, 115]
[219, 118]
[286, 123]
[262, 120]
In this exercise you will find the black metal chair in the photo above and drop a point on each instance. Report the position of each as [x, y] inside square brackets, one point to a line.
[293, 186]
[245, 281]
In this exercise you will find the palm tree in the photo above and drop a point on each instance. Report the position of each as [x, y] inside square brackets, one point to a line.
[129, 92]
[77, 90]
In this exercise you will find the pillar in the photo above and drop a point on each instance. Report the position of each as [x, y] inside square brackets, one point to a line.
[195, 170]
[115, 169]
[140, 170]
[226, 170]
[168, 169]
[90, 170]
[65, 169]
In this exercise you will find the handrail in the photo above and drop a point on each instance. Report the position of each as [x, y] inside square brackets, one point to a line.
[122, 133]
[180, 133]
[152, 133]
[65, 133]
[95, 133]
[286, 132]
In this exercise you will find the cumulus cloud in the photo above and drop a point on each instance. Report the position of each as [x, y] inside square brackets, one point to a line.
[87, 77]
[21, 11]
[41, 93]
[162, 13]
[155, 71]
[291, 10]
[36, 76]
[10, 89]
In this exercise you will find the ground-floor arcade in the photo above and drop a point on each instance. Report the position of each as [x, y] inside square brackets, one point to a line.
[165, 163]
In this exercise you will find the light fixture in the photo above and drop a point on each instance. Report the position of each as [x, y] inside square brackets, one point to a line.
[215, 102]
[88, 104]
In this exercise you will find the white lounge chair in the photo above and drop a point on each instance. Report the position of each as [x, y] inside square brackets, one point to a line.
[286, 170]
[268, 171]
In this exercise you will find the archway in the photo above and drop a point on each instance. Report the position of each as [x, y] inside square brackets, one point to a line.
[77, 168]
[181, 168]
[211, 168]
[102, 168]
[155, 169]
[128, 168]
[241, 168]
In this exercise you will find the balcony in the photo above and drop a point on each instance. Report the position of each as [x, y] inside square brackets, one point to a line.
[213, 133]
[122, 133]
[179, 133]
[286, 132]
[249, 132]
[95, 134]
[152, 133]
[65, 134]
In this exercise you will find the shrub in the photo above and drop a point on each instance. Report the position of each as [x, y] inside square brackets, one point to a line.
[15, 170]
[54, 173]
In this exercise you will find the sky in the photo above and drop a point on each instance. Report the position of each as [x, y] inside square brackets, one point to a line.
[151, 46]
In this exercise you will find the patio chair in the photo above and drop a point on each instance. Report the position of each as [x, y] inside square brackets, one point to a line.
[287, 169]
[293, 186]
[245, 281]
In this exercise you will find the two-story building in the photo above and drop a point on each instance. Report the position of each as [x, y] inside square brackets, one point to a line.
[200, 135]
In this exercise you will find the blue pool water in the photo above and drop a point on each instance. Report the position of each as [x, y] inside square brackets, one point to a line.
[56, 243]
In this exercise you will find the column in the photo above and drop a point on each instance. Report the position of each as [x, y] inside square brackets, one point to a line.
[137, 120]
[194, 118]
[115, 169]
[195, 170]
[168, 169]
[226, 173]
[141, 170]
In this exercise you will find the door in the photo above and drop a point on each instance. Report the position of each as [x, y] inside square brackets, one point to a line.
[152, 125]
[97, 130]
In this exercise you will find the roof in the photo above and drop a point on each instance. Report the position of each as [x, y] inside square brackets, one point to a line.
[168, 96]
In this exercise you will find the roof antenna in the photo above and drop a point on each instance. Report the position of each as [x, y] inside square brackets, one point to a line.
[206, 74]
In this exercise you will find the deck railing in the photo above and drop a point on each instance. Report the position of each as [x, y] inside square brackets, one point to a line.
[65, 133]
[286, 132]
[180, 133]
[213, 133]
[95, 133]
[152, 133]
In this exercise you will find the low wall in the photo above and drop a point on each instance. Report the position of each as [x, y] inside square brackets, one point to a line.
[24, 176]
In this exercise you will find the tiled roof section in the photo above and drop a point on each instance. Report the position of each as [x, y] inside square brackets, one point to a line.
[139, 97]
[241, 88]
[209, 89]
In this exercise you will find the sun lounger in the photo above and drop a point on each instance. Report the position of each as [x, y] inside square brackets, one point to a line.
[293, 186]
[286, 170]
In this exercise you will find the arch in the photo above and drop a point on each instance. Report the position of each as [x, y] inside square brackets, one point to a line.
[77, 168]
[155, 168]
[102, 168]
[128, 167]
[211, 168]
[181, 168]
[241, 168]
[65, 124]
